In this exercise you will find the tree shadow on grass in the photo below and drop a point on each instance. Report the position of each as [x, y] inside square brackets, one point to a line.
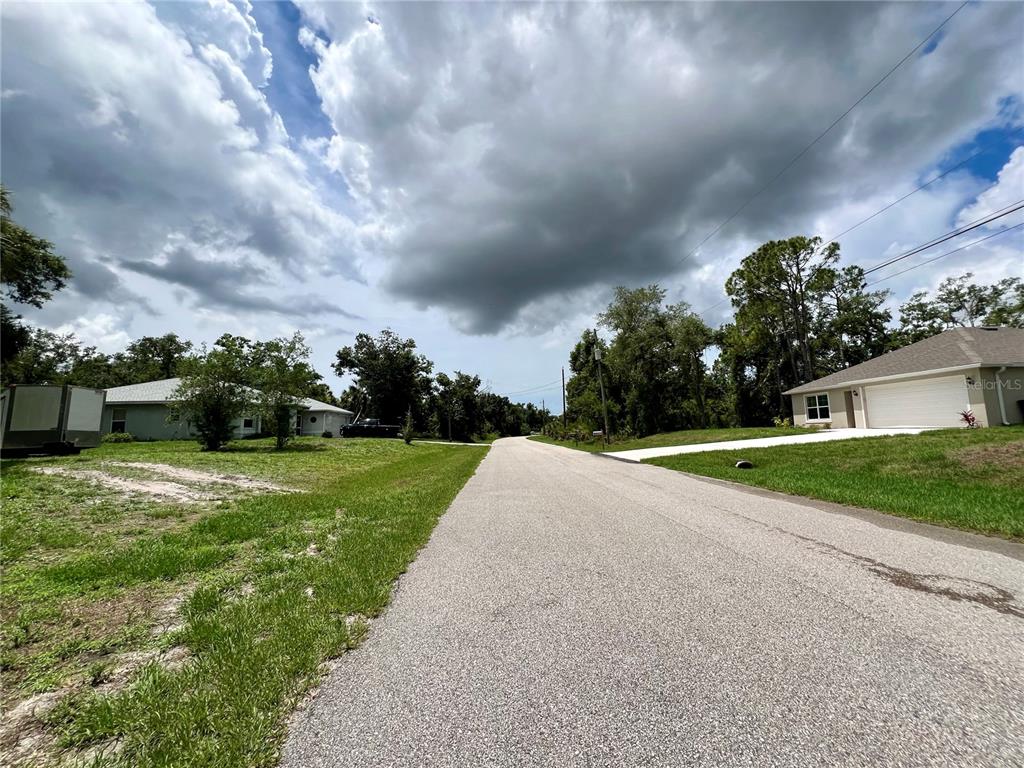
[290, 448]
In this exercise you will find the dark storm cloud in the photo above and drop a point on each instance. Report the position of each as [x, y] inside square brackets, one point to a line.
[514, 152]
[229, 285]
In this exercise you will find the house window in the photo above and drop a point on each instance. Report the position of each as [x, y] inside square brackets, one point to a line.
[817, 408]
[312, 419]
[247, 423]
[118, 420]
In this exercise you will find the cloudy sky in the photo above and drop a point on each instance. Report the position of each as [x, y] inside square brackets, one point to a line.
[480, 176]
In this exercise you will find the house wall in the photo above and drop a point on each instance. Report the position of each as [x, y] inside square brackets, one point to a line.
[982, 398]
[149, 422]
[837, 409]
[325, 420]
[985, 393]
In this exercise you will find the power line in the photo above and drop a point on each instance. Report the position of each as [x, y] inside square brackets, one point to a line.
[947, 253]
[949, 235]
[1013, 207]
[961, 164]
[535, 388]
[822, 135]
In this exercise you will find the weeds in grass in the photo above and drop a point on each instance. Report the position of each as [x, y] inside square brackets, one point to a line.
[263, 589]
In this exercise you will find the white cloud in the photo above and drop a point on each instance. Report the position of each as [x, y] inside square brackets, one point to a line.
[102, 331]
[1009, 189]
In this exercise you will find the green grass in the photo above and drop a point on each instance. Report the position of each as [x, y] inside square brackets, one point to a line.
[968, 479]
[272, 586]
[685, 437]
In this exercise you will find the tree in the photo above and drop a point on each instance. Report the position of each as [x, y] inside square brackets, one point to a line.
[655, 361]
[582, 390]
[456, 405]
[151, 358]
[320, 391]
[210, 394]
[29, 274]
[50, 358]
[854, 322]
[1008, 305]
[958, 302]
[389, 373]
[280, 372]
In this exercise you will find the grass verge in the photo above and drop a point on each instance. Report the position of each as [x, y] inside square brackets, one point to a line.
[248, 594]
[967, 479]
[685, 437]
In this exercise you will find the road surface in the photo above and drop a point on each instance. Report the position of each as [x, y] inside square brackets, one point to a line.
[575, 610]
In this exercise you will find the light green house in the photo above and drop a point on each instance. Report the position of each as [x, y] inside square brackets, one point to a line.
[143, 410]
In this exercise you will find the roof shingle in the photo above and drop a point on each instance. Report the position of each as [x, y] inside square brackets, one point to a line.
[959, 347]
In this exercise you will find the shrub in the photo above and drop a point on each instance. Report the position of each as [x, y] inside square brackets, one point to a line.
[118, 437]
[327, 433]
[780, 422]
[407, 430]
[969, 419]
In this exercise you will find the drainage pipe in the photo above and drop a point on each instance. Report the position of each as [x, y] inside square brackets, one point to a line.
[999, 394]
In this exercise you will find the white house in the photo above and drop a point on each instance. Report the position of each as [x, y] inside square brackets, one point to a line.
[143, 410]
[315, 418]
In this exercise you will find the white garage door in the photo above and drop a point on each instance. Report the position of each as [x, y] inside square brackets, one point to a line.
[925, 403]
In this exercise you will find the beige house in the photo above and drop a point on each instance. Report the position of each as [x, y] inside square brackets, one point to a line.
[927, 384]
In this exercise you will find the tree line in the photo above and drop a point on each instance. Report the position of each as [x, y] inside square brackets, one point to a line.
[235, 375]
[797, 316]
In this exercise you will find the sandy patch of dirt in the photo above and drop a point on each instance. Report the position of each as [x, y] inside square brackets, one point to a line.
[156, 489]
[196, 476]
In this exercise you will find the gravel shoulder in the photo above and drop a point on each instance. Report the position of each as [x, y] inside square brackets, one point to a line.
[571, 610]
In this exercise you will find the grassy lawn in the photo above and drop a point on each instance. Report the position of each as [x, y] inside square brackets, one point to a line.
[181, 632]
[686, 437]
[969, 479]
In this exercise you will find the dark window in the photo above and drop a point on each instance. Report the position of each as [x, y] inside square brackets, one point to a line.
[119, 420]
[817, 408]
[247, 423]
[312, 419]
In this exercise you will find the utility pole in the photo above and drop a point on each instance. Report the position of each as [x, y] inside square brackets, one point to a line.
[604, 405]
[565, 426]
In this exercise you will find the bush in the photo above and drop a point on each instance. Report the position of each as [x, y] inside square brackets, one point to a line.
[327, 433]
[118, 437]
[780, 422]
[407, 430]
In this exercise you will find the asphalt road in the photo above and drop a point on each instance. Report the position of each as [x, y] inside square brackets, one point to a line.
[571, 609]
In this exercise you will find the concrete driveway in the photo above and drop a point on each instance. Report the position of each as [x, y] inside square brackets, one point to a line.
[822, 436]
[575, 611]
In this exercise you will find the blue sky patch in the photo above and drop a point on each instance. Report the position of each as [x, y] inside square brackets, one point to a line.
[290, 91]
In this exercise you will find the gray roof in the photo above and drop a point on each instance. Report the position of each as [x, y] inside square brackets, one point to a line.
[956, 348]
[316, 405]
[147, 392]
[162, 391]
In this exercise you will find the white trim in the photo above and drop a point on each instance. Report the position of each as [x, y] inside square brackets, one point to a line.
[817, 406]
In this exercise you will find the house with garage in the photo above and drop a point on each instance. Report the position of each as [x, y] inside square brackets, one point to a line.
[144, 411]
[925, 384]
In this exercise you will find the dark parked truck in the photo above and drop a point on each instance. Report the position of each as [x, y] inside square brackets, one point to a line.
[50, 420]
[370, 428]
